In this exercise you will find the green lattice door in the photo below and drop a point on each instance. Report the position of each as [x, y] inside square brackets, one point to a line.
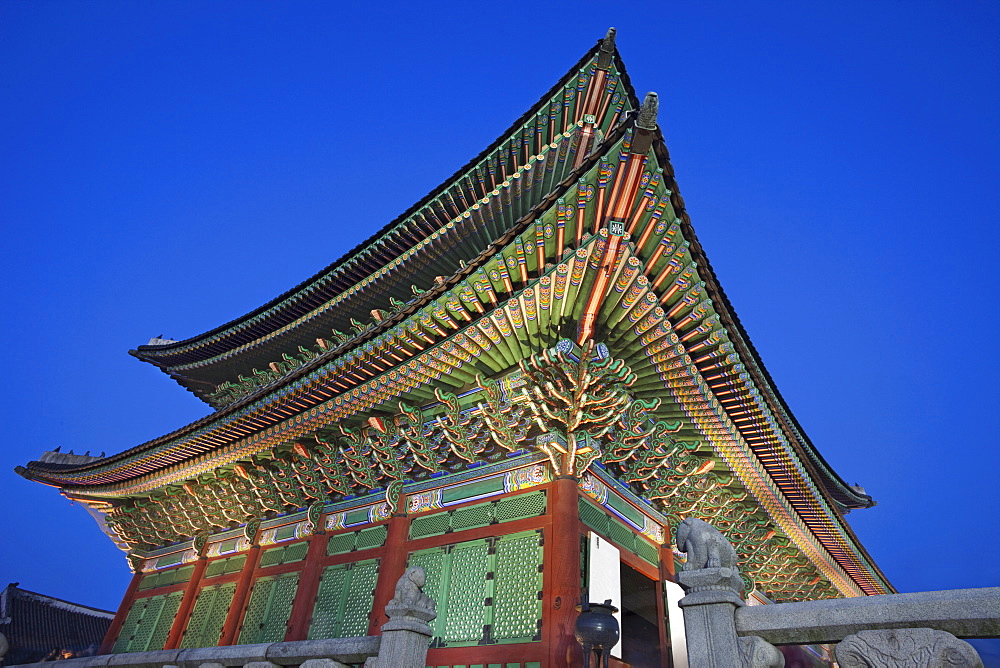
[266, 618]
[344, 600]
[517, 588]
[129, 626]
[204, 628]
[148, 623]
[487, 591]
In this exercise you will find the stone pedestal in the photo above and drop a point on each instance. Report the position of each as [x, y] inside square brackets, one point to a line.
[407, 634]
[323, 663]
[713, 586]
[710, 616]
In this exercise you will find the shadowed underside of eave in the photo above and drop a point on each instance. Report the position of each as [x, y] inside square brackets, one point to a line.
[303, 389]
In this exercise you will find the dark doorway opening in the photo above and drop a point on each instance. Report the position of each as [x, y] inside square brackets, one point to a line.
[640, 623]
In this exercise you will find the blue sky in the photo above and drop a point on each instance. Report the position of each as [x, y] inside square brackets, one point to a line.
[168, 166]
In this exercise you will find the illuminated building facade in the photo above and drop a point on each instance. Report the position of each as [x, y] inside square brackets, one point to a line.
[536, 353]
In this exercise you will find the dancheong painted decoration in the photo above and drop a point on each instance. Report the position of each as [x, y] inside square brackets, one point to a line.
[535, 352]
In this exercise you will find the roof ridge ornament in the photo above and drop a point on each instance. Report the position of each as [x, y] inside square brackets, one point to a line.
[608, 43]
[607, 50]
[648, 112]
[645, 124]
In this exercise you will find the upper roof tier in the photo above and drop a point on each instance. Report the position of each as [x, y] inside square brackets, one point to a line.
[434, 238]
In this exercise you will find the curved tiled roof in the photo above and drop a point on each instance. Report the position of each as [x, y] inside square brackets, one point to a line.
[346, 289]
[40, 627]
[757, 437]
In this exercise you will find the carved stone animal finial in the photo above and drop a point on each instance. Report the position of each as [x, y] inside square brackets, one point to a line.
[407, 634]
[648, 112]
[706, 547]
[409, 590]
[712, 585]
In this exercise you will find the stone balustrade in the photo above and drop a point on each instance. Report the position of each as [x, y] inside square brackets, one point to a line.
[912, 630]
[920, 630]
[964, 613]
[403, 644]
[339, 652]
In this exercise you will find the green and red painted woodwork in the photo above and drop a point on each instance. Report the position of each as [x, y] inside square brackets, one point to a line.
[452, 517]
[442, 521]
[614, 258]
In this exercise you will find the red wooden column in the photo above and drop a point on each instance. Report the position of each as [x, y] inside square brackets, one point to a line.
[305, 595]
[667, 561]
[562, 575]
[392, 567]
[235, 615]
[187, 602]
[116, 623]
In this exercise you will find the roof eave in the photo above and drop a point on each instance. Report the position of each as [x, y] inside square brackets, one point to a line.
[36, 470]
[152, 353]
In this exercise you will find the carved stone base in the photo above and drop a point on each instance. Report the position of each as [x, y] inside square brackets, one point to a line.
[713, 595]
[323, 663]
[758, 653]
[711, 585]
[906, 648]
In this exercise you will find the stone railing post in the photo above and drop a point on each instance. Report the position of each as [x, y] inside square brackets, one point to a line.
[713, 586]
[873, 632]
[407, 634]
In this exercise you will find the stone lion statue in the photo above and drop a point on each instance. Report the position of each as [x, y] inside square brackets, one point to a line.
[706, 547]
[409, 589]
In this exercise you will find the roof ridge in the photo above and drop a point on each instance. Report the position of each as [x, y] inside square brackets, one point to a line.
[60, 603]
